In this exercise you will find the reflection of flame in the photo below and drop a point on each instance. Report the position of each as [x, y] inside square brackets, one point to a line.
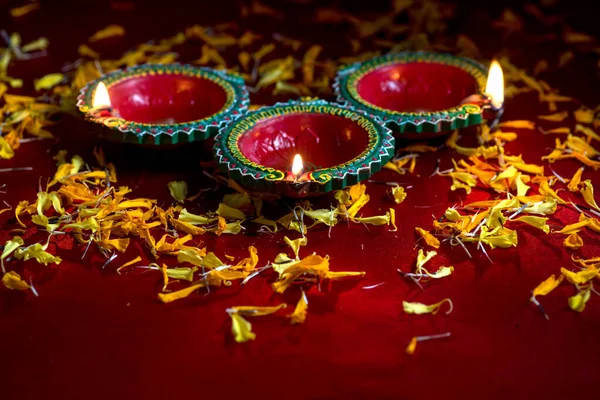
[495, 85]
[101, 98]
[297, 166]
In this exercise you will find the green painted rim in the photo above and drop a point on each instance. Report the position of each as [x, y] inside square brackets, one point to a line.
[119, 129]
[379, 150]
[412, 122]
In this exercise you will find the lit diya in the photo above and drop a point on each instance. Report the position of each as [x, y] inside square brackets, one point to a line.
[422, 92]
[163, 104]
[303, 148]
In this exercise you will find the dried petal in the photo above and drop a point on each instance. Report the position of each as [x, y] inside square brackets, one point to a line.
[399, 194]
[255, 311]
[588, 194]
[48, 81]
[573, 241]
[299, 314]
[419, 308]
[178, 190]
[12, 280]
[583, 276]
[241, 328]
[295, 244]
[577, 302]
[429, 238]
[109, 31]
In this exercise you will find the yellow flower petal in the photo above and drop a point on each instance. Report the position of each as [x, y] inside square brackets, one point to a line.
[12, 280]
[399, 194]
[584, 115]
[109, 31]
[423, 258]
[85, 51]
[575, 182]
[241, 328]
[127, 264]
[37, 252]
[547, 286]
[181, 273]
[429, 238]
[178, 190]
[255, 311]
[179, 294]
[419, 308]
[187, 227]
[6, 151]
[23, 10]
[583, 276]
[588, 194]
[48, 81]
[577, 302]
[299, 314]
[573, 241]
[576, 227]
[545, 207]
[230, 213]
[323, 216]
[191, 255]
[518, 124]
[538, 222]
[557, 117]
[211, 261]
[412, 346]
[376, 220]
[545, 190]
[295, 244]
[268, 224]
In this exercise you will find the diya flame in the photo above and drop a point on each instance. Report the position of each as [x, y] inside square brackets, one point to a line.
[101, 97]
[297, 166]
[495, 85]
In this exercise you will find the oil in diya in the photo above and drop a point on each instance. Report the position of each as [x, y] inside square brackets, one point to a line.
[302, 148]
[422, 94]
[157, 104]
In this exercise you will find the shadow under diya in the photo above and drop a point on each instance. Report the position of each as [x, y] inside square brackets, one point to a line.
[417, 94]
[157, 104]
[338, 146]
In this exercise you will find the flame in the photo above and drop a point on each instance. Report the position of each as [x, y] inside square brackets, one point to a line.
[297, 166]
[101, 98]
[495, 85]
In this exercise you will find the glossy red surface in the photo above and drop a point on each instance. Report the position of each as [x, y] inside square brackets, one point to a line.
[416, 87]
[322, 140]
[166, 99]
[93, 334]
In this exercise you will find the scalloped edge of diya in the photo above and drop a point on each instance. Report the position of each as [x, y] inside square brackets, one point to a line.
[122, 130]
[461, 116]
[379, 150]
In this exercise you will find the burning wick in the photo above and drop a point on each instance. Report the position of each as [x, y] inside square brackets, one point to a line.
[493, 97]
[297, 166]
[495, 86]
[101, 105]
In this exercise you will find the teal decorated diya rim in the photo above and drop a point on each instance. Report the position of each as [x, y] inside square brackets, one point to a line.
[158, 104]
[416, 92]
[338, 147]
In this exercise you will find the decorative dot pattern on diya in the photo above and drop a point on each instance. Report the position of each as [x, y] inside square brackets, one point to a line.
[339, 146]
[415, 92]
[158, 104]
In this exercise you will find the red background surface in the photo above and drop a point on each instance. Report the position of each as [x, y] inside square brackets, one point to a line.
[95, 334]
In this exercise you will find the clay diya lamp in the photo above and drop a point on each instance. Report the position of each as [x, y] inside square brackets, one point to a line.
[157, 104]
[419, 94]
[303, 148]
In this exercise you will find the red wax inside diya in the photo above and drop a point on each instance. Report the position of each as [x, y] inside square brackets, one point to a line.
[166, 99]
[322, 140]
[416, 87]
